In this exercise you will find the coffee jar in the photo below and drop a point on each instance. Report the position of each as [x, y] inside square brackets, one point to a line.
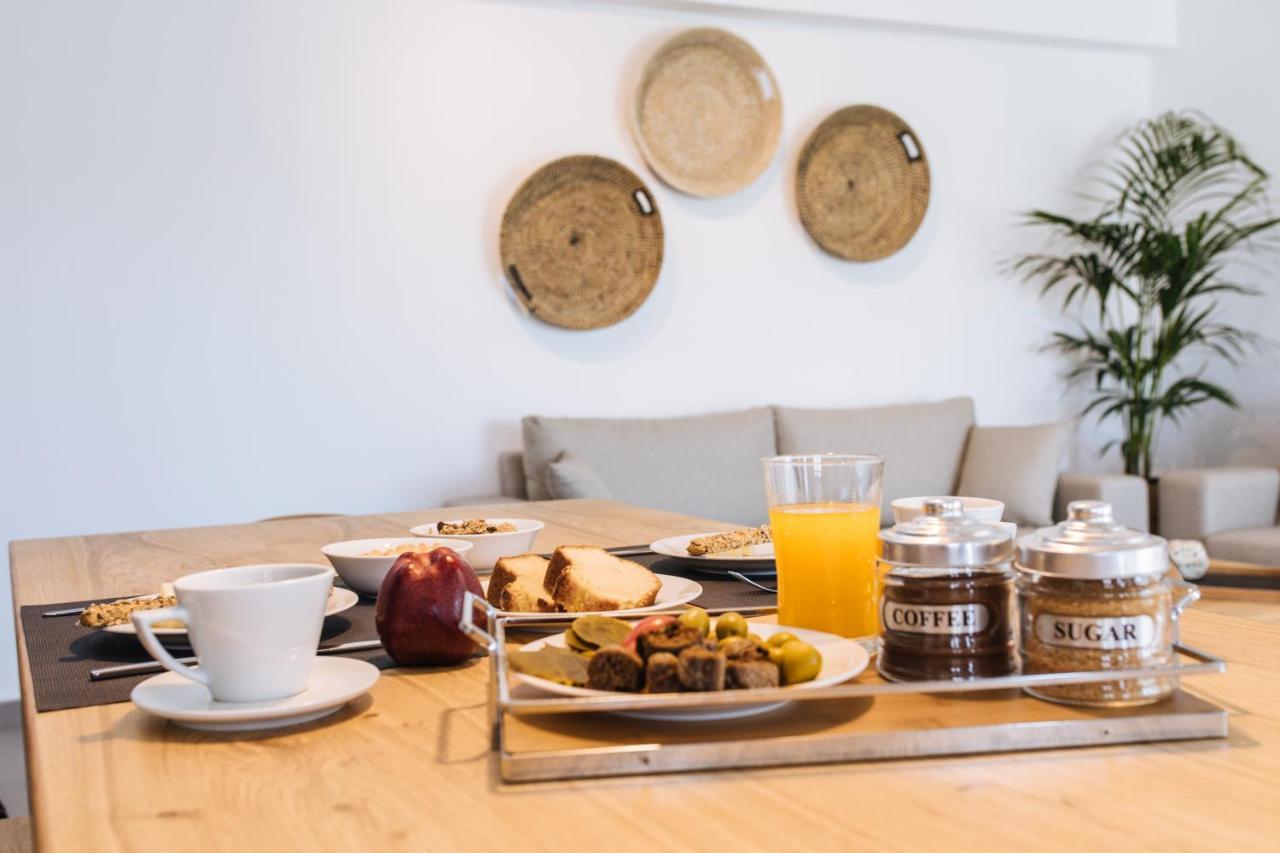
[947, 602]
[1095, 596]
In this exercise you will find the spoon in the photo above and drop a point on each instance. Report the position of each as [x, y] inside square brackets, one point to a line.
[757, 585]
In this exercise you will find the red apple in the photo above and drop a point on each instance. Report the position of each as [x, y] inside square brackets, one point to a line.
[419, 608]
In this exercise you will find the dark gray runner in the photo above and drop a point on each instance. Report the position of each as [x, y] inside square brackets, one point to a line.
[61, 653]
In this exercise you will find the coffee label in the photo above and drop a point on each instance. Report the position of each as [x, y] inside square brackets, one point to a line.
[1095, 632]
[935, 619]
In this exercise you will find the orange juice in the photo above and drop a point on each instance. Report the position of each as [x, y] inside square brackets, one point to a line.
[826, 555]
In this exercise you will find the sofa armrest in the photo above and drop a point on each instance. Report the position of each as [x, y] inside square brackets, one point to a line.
[1197, 503]
[1126, 493]
[511, 480]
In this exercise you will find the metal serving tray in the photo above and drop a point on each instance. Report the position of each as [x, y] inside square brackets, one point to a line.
[865, 719]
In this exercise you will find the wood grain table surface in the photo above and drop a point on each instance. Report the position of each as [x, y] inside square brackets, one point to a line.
[409, 766]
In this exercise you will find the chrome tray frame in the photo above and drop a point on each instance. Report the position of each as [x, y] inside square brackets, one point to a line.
[1207, 722]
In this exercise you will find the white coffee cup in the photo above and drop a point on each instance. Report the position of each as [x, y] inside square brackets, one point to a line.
[254, 629]
[982, 509]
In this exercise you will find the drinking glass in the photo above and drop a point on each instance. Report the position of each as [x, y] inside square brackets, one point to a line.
[824, 511]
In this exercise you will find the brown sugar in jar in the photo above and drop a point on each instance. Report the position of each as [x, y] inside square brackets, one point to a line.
[947, 605]
[1097, 596]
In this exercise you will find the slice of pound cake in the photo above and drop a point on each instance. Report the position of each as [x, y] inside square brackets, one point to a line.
[516, 585]
[583, 578]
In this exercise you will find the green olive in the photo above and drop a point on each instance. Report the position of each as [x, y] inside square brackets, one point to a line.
[800, 662]
[781, 638]
[731, 625]
[698, 619]
[755, 638]
[776, 656]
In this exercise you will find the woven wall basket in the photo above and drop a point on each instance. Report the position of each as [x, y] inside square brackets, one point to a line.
[862, 184]
[707, 113]
[581, 242]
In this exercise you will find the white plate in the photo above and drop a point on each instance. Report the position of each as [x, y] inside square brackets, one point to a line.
[758, 559]
[340, 599]
[334, 682]
[674, 592]
[842, 659]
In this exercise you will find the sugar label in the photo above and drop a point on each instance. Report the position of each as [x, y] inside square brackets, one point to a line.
[1102, 632]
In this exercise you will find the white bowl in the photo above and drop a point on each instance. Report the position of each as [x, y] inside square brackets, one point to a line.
[983, 509]
[489, 547]
[365, 574]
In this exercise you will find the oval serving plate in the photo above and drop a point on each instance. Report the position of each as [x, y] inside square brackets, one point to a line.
[842, 659]
[757, 559]
[340, 599]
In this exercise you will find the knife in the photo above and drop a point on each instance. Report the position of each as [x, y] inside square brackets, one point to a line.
[106, 672]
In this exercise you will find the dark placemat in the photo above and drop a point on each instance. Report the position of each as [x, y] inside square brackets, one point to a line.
[60, 652]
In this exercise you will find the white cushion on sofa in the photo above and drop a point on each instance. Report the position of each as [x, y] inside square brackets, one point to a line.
[1017, 465]
[707, 465]
[922, 443]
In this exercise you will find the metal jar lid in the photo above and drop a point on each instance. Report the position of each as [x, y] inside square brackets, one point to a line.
[945, 536]
[1092, 545]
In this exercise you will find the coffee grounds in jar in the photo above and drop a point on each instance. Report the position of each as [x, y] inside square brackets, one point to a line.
[938, 623]
[1074, 625]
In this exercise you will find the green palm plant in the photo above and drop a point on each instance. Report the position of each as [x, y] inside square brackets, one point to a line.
[1181, 197]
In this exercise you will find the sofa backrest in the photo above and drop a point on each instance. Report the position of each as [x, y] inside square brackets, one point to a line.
[707, 465]
[923, 443]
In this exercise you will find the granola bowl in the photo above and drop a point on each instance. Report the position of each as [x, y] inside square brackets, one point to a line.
[363, 563]
[487, 548]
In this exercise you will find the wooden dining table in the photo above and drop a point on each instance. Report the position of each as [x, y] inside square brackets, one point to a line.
[409, 766]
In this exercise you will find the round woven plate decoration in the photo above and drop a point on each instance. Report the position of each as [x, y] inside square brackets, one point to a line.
[708, 113]
[581, 242]
[862, 184]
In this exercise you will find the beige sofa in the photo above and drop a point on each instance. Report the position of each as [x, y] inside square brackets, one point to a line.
[709, 465]
[1235, 512]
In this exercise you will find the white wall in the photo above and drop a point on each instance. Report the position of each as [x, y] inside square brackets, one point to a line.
[248, 251]
[1226, 66]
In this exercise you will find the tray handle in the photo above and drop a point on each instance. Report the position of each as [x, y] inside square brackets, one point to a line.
[483, 636]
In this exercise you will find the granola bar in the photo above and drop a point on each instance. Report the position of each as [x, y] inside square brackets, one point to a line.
[117, 612]
[720, 542]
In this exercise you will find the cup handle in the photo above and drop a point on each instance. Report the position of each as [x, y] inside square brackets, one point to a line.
[142, 623]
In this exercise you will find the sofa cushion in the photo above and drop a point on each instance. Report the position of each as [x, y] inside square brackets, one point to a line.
[922, 443]
[570, 477]
[1259, 545]
[706, 465]
[1017, 465]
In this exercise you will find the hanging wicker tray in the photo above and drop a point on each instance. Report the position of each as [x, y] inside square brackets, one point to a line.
[707, 113]
[862, 184]
[581, 242]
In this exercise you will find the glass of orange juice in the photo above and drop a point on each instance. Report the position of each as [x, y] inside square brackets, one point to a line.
[824, 511]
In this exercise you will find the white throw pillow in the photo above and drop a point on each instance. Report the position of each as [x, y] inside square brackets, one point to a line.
[569, 477]
[1017, 465]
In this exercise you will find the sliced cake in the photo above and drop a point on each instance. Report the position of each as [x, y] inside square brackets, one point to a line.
[516, 585]
[583, 578]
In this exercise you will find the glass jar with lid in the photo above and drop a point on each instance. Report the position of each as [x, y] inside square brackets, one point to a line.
[1096, 595]
[947, 602]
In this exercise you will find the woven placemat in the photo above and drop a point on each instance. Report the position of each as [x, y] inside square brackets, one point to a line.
[60, 653]
[707, 113]
[582, 242]
[862, 184]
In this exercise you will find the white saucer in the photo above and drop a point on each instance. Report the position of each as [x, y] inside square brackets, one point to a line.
[334, 682]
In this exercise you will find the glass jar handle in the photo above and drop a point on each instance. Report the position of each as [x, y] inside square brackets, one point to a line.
[1190, 594]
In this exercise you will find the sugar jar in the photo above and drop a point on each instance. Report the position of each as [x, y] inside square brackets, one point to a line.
[947, 602]
[1096, 595]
